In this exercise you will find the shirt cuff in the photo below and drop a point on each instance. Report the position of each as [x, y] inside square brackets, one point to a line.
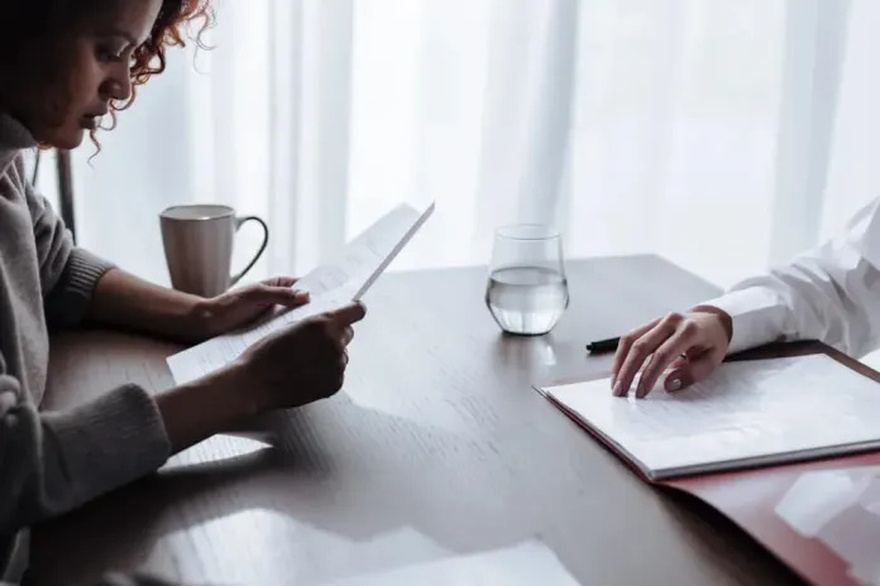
[108, 442]
[755, 316]
[69, 300]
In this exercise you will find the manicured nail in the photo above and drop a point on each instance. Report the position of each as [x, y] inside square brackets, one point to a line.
[673, 385]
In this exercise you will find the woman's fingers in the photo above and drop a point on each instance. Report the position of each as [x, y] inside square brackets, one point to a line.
[638, 348]
[624, 346]
[281, 281]
[693, 370]
[687, 347]
[269, 295]
[665, 355]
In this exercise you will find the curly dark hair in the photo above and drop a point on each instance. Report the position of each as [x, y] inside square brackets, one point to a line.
[26, 22]
[175, 18]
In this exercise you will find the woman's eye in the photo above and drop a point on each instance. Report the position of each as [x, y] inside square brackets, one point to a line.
[109, 55]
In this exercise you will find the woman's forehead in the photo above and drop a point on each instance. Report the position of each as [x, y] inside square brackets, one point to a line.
[132, 19]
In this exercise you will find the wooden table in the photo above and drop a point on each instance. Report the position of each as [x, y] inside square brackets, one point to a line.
[437, 445]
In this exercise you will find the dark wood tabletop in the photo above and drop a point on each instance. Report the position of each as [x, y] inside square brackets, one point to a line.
[438, 445]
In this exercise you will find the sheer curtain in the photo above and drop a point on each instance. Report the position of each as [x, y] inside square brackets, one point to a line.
[724, 135]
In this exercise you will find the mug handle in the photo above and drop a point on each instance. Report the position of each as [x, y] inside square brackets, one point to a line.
[239, 222]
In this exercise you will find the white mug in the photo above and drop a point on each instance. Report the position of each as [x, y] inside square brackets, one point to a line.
[198, 241]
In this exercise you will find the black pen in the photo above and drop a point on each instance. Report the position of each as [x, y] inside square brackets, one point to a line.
[602, 346]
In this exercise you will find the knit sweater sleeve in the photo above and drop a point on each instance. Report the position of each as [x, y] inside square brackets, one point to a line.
[52, 462]
[68, 274]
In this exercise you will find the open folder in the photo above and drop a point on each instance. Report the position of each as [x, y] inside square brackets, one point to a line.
[746, 414]
[786, 444]
[330, 286]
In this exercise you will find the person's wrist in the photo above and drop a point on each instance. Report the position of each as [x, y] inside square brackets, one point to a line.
[201, 318]
[237, 383]
[209, 405]
[723, 317]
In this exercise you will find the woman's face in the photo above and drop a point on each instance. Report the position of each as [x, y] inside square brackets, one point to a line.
[63, 87]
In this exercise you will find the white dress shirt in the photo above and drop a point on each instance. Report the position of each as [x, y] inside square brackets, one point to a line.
[830, 293]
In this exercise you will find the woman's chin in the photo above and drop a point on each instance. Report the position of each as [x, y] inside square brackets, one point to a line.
[67, 139]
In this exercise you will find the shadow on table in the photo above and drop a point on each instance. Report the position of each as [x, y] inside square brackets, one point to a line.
[459, 492]
[335, 482]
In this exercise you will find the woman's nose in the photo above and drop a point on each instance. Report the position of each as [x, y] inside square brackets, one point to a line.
[118, 87]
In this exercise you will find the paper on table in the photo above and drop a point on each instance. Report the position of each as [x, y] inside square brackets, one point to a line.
[748, 412]
[525, 564]
[330, 286]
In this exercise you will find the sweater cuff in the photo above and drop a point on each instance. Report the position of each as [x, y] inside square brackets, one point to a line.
[84, 269]
[69, 300]
[109, 442]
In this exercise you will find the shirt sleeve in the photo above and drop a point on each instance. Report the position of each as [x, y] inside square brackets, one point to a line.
[52, 462]
[830, 293]
[68, 274]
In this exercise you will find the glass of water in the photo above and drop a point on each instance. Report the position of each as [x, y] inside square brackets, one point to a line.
[527, 291]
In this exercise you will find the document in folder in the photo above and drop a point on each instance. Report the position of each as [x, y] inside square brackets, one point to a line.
[746, 414]
[330, 286]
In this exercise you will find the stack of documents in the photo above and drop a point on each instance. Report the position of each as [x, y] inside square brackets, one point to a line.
[745, 414]
[331, 286]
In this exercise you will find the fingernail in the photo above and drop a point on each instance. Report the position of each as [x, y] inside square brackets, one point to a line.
[301, 295]
[618, 389]
[673, 385]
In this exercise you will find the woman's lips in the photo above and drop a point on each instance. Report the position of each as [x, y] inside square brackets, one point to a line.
[91, 121]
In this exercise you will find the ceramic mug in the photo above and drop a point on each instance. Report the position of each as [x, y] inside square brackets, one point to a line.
[198, 242]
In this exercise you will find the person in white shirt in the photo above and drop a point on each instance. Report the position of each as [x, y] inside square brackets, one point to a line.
[830, 293]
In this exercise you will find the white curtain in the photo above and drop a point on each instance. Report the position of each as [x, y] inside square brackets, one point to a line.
[722, 134]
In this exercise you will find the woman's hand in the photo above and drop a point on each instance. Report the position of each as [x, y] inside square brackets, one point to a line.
[690, 345]
[303, 363]
[239, 307]
[291, 367]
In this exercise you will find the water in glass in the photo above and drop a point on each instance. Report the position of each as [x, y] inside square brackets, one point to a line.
[527, 291]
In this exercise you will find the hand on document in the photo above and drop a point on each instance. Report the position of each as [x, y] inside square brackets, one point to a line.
[239, 307]
[690, 346]
[330, 286]
[301, 363]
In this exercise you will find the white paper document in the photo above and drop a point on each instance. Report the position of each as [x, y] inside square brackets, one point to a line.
[525, 564]
[330, 286]
[745, 413]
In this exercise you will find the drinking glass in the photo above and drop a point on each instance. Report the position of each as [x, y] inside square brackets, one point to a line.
[527, 291]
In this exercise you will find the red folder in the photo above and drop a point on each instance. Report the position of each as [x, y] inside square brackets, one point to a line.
[820, 517]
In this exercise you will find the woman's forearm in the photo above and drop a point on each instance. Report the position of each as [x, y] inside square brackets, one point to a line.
[198, 410]
[122, 299]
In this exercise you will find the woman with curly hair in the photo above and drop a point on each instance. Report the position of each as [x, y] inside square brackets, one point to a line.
[65, 64]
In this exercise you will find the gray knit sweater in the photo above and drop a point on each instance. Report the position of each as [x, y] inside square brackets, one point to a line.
[51, 462]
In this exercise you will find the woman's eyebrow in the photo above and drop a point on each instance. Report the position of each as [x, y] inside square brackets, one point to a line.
[115, 32]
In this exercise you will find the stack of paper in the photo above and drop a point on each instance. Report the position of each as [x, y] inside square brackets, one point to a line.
[745, 414]
[330, 286]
